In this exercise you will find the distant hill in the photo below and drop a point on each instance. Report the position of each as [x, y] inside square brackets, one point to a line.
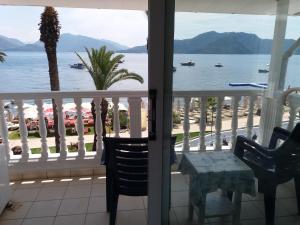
[67, 43]
[6, 43]
[207, 43]
[220, 43]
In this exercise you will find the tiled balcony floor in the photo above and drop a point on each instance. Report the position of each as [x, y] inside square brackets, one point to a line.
[81, 201]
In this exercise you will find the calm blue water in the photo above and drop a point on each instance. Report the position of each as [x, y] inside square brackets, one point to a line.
[28, 71]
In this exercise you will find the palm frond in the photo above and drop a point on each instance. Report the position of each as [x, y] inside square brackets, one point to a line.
[2, 56]
[103, 67]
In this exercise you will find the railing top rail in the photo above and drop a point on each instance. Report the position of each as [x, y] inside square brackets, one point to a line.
[72, 94]
[221, 92]
[111, 94]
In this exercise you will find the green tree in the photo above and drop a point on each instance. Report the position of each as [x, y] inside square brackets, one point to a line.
[49, 34]
[103, 66]
[211, 105]
[2, 56]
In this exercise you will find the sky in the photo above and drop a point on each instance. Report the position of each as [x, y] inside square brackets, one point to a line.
[130, 27]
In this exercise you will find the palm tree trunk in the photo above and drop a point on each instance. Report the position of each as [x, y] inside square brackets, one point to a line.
[104, 110]
[54, 84]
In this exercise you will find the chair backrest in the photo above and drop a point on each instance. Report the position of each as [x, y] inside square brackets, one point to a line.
[128, 164]
[287, 156]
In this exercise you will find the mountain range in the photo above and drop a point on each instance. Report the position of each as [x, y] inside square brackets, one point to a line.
[220, 43]
[206, 43]
[67, 43]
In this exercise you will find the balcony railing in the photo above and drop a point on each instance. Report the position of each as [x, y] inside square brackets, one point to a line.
[82, 162]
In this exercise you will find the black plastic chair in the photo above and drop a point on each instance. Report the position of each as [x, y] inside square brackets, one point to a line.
[273, 166]
[126, 161]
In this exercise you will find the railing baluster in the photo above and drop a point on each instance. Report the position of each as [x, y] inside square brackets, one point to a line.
[23, 130]
[250, 117]
[116, 122]
[4, 131]
[61, 128]
[98, 130]
[203, 108]
[292, 117]
[80, 128]
[219, 123]
[42, 129]
[234, 122]
[186, 124]
[135, 117]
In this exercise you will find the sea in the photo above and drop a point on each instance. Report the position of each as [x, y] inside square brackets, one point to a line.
[28, 72]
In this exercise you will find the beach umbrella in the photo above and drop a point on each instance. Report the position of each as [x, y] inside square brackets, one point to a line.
[31, 112]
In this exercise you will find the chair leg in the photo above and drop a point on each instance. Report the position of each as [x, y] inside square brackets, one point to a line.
[297, 187]
[260, 188]
[108, 191]
[269, 200]
[113, 209]
[229, 195]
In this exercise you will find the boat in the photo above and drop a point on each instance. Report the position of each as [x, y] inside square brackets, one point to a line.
[121, 61]
[174, 69]
[189, 63]
[218, 65]
[263, 71]
[79, 66]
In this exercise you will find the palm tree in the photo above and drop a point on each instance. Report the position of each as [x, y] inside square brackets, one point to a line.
[103, 68]
[2, 55]
[49, 34]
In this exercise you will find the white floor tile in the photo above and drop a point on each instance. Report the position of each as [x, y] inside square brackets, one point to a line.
[73, 206]
[44, 209]
[98, 189]
[51, 193]
[78, 191]
[25, 195]
[70, 220]
[97, 219]
[97, 204]
[132, 217]
[130, 203]
[10, 222]
[18, 211]
[39, 221]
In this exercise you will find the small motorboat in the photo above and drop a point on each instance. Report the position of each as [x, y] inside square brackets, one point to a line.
[79, 66]
[189, 63]
[121, 61]
[263, 71]
[218, 65]
[174, 69]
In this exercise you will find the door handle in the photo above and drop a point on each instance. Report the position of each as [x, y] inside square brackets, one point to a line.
[152, 114]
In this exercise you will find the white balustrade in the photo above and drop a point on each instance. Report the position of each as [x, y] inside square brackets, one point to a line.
[42, 129]
[61, 127]
[4, 131]
[23, 130]
[186, 125]
[250, 117]
[98, 125]
[134, 99]
[219, 123]
[234, 121]
[135, 120]
[116, 116]
[80, 128]
[294, 104]
[203, 114]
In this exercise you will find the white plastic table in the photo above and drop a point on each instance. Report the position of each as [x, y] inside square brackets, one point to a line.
[210, 171]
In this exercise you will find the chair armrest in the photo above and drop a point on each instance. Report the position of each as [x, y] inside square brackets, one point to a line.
[243, 143]
[278, 134]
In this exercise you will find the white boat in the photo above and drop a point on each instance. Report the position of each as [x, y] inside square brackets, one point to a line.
[218, 65]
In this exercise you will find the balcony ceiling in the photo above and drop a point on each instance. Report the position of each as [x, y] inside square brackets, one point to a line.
[257, 7]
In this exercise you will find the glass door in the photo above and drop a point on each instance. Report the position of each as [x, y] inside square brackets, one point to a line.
[209, 91]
